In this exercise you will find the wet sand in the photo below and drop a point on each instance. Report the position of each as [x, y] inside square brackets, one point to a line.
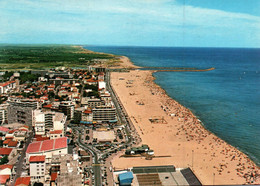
[177, 133]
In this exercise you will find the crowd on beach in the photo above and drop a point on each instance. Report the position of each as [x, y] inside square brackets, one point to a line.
[192, 128]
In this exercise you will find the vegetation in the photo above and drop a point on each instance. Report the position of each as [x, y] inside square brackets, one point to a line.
[46, 56]
[4, 160]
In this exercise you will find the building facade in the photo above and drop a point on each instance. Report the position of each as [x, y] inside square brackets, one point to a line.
[104, 114]
[21, 111]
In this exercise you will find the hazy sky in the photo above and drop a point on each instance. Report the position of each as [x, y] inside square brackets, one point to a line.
[202, 23]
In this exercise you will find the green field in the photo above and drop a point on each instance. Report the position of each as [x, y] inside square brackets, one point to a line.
[27, 57]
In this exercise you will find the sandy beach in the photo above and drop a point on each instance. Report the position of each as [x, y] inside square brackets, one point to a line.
[178, 134]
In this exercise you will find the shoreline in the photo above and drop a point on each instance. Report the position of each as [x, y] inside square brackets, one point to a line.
[202, 124]
[236, 173]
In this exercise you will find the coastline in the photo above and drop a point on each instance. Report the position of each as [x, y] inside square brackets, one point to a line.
[229, 165]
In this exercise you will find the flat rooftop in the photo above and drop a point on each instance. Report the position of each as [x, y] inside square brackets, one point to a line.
[162, 175]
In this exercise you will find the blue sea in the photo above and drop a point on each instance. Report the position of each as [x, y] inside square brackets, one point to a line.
[227, 99]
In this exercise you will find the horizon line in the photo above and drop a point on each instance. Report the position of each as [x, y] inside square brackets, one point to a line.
[150, 46]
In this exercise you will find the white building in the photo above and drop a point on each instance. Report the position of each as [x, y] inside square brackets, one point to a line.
[37, 168]
[39, 122]
[5, 87]
[101, 85]
[48, 121]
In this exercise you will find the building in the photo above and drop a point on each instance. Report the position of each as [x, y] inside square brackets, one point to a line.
[67, 108]
[48, 121]
[5, 152]
[101, 85]
[60, 81]
[95, 102]
[104, 114]
[23, 181]
[69, 173]
[21, 111]
[3, 114]
[48, 148]
[56, 134]
[19, 135]
[61, 74]
[125, 178]
[7, 86]
[157, 175]
[37, 168]
[6, 170]
[4, 180]
[39, 122]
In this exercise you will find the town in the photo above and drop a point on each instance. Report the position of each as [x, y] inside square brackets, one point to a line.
[60, 126]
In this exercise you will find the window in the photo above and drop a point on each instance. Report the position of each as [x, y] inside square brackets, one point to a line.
[42, 169]
[37, 165]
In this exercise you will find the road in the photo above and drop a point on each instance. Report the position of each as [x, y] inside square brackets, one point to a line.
[19, 164]
[96, 163]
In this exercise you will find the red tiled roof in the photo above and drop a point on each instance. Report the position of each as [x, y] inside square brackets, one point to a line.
[42, 138]
[54, 176]
[2, 167]
[4, 178]
[56, 132]
[47, 106]
[5, 151]
[6, 83]
[37, 159]
[4, 129]
[91, 80]
[9, 137]
[60, 143]
[12, 143]
[87, 111]
[7, 141]
[34, 147]
[25, 126]
[12, 131]
[47, 145]
[23, 181]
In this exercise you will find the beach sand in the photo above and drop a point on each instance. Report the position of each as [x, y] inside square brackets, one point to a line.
[181, 135]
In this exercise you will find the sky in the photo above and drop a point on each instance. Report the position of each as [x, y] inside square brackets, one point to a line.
[194, 23]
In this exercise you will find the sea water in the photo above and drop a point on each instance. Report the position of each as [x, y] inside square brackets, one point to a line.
[226, 100]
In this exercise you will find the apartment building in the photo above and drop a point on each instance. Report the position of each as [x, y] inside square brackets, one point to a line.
[21, 110]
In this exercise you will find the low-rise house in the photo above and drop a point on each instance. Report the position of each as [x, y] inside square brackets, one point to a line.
[5, 152]
[4, 180]
[20, 135]
[23, 181]
[56, 134]
[5, 87]
[4, 130]
[6, 170]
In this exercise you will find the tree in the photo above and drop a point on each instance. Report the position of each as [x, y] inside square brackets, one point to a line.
[51, 94]
[4, 160]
